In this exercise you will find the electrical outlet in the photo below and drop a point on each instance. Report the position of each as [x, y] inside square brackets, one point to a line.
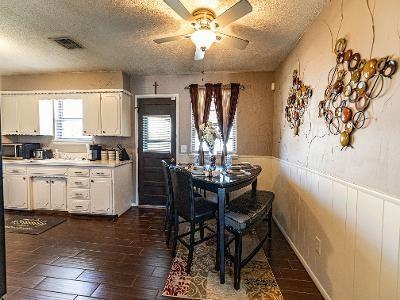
[318, 245]
[183, 148]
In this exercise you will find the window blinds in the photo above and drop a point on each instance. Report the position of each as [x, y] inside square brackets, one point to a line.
[157, 133]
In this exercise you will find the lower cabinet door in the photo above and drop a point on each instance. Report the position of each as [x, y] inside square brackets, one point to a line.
[101, 195]
[41, 195]
[16, 195]
[58, 194]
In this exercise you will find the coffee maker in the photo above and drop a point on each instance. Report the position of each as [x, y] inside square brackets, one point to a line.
[95, 151]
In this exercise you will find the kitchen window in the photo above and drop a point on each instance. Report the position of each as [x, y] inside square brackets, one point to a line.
[232, 142]
[68, 121]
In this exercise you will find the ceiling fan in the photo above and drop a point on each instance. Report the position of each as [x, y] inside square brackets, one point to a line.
[206, 26]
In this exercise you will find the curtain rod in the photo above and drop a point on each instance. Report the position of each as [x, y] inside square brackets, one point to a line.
[224, 86]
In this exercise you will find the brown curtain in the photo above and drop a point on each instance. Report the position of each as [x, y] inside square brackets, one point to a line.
[201, 102]
[225, 106]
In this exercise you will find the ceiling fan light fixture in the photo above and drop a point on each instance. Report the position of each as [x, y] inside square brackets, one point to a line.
[203, 39]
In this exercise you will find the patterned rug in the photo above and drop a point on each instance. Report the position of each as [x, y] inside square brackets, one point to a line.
[31, 225]
[257, 279]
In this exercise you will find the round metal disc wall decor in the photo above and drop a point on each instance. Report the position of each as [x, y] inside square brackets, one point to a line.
[297, 103]
[352, 84]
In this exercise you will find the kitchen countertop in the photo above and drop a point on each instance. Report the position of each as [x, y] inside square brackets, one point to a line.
[65, 162]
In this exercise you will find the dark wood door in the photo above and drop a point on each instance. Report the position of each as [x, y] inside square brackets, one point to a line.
[156, 142]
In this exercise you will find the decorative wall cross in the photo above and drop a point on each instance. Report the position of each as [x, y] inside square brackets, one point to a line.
[155, 87]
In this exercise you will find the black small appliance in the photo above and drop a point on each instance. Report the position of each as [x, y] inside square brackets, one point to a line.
[123, 154]
[96, 151]
[19, 151]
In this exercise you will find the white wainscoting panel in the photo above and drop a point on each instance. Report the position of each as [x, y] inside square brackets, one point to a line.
[359, 229]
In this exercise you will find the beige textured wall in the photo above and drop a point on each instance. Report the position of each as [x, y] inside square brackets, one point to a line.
[65, 81]
[375, 160]
[255, 108]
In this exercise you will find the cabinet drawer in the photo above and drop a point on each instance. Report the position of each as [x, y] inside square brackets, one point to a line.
[78, 172]
[82, 206]
[47, 171]
[100, 172]
[79, 182]
[78, 194]
[15, 170]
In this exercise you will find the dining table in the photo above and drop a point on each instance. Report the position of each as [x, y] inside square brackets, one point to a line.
[222, 185]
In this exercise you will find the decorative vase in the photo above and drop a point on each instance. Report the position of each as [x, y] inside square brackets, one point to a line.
[213, 158]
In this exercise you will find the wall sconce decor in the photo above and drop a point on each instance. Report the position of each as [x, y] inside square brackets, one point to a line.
[297, 103]
[352, 84]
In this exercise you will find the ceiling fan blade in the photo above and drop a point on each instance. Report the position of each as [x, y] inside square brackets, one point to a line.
[180, 9]
[172, 38]
[199, 54]
[233, 41]
[240, 9]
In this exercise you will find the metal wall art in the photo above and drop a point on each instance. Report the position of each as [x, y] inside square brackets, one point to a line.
[297, 103]
[352, 84]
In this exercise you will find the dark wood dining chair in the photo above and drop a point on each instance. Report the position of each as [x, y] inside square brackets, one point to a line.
[168, 223]
[192, 208]
[242, 214]
[168, 214]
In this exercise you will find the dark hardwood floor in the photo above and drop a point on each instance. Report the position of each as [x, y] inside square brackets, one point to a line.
[93, 257]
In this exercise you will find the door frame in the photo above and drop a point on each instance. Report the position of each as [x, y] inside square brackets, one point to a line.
[174, 97]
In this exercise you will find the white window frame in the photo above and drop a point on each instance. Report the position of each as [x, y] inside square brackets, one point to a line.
[56, 139]
[193, 134]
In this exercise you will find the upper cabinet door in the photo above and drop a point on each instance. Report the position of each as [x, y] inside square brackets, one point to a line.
[91, 114]
[9, 116]
[110, 108]
[28, 111]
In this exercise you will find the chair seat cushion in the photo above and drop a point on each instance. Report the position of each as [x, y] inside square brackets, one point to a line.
[197, 195]
[248, 209]
[204, 209]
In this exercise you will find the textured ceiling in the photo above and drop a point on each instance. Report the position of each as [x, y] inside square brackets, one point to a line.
[118, 35]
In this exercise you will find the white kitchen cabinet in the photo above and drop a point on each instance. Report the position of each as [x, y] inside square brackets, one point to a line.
[110, 108]
[107, 114]
[91, 115]
[26, 115]
[89, 188]
[41, 195]
[9, 117]
[101, 195]
[16, 192]
[58, 192]
[28, 119]
[49, 193]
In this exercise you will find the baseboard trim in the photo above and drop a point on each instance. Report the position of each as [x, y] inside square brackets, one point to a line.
[303, 261]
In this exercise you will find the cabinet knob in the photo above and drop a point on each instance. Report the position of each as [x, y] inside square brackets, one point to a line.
[23, 178]
[35, 130]
[16, 130]
[104, 131]
[84, 131]
[52, 181]
[92, 180]
[47, 181]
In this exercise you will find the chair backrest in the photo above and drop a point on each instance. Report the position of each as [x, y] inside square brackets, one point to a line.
[182, 185]
[167, 182]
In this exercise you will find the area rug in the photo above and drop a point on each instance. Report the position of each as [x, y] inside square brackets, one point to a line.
[31, 225]
[257, 279]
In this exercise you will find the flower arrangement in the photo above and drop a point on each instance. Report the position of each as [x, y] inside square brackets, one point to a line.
[209, 134]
